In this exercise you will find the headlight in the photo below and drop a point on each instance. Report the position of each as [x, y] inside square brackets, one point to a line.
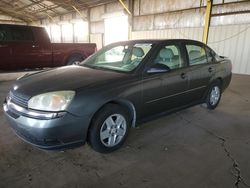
[52, 101]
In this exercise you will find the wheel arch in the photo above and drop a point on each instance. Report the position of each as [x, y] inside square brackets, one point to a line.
[218, 78]
[129, 106]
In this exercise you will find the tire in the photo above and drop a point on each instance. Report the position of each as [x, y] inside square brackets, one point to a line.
[75, 59]
[109, 128]
[214, 95]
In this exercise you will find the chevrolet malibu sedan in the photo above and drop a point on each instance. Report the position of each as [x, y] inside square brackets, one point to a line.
[124, 83]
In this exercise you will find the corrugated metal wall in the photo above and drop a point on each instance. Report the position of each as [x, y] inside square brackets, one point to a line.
[229, 33]
[232, 41]
[190, 33]
[98, 39]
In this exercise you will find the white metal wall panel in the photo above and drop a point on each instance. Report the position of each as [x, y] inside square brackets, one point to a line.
[160, 6]
[97, 27]
[184, 33]
[182, 19]
[232, 41]
[96, 13]
[231, 19]
[115, 7]
[98, 39]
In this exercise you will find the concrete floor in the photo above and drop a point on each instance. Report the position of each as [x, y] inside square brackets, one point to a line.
[191, 148]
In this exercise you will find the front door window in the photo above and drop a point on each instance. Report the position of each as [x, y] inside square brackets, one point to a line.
[170, 56]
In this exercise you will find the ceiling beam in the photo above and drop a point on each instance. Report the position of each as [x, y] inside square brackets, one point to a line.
[46, 9]
[43, 6]
[81, 15]
[27, 15]
[29, 5]
[125, 7]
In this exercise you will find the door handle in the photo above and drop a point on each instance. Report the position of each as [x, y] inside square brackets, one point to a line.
[210, 69]
[183, 75]
[2, 46]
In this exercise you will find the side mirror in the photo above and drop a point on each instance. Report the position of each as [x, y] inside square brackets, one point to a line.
[158, 68]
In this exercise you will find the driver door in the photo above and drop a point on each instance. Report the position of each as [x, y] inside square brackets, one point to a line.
[163, 91]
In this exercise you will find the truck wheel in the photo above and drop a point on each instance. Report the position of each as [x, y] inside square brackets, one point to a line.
[75, 59]
[214, 95]
[109, 129]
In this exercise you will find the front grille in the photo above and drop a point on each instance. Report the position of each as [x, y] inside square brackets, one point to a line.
[17, 100]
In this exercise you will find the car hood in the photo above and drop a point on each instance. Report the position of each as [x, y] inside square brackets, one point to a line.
[63, 78]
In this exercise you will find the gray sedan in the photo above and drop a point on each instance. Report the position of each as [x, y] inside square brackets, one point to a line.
[116, 88]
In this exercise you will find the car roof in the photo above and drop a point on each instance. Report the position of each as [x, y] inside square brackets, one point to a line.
[160, 41]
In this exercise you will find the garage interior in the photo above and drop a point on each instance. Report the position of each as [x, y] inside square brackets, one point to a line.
[191, 148]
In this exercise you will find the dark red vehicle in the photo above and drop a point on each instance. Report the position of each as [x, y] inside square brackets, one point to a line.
[30, 47]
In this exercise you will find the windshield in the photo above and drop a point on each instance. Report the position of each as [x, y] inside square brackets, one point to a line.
[120, 57]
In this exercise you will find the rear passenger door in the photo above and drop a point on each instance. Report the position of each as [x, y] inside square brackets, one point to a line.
[201, 69]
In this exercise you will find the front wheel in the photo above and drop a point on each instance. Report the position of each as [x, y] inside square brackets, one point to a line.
[109, 129]
[214, 95]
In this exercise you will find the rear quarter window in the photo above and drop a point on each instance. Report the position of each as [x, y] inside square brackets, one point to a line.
[210, 55]
[4, 34]
[21, 33]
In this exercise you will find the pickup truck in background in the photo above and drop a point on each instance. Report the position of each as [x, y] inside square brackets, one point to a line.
[24, 47]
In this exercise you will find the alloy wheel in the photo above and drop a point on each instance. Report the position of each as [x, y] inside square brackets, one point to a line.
[214, 95]
[113, 130]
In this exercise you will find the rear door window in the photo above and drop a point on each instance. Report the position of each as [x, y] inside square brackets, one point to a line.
[21, 33]
[196, 54]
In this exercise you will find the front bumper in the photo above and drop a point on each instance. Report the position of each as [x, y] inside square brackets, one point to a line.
[58, 133]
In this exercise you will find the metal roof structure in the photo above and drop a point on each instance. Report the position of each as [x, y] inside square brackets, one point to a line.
[34, 10]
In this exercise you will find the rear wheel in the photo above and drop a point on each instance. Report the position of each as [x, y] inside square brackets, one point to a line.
[214, 95]
[109, 129]
[75, 59]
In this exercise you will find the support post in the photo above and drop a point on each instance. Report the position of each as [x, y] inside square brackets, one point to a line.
[207, 21]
